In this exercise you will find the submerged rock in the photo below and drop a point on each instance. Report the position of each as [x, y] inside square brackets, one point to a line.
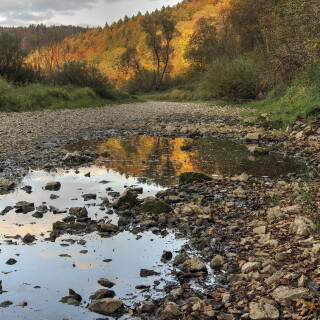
[73, 298]
[147, 273]
[106, 283]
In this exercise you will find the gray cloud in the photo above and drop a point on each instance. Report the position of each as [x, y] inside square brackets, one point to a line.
[17, 12]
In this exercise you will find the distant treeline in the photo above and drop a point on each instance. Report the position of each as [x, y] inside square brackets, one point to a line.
[35, 36]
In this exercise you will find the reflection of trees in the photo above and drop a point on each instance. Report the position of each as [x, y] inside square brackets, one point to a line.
[160, 160]
[228, 157]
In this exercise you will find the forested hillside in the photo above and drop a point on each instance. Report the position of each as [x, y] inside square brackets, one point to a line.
[277, 37]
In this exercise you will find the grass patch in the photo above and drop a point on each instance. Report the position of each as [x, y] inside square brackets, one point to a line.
[37, 96]
[286, 104]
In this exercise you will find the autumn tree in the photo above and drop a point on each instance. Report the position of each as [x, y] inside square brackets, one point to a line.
[160, 30]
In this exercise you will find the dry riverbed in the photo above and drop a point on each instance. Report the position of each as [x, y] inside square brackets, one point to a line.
[259, 237]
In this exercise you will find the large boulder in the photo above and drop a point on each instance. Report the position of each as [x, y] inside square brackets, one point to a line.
[260, 311]
[105, 306]
[127, 198]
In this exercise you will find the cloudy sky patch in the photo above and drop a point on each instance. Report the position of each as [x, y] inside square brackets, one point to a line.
[76, 12]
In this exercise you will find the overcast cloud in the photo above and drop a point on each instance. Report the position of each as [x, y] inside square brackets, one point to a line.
[76, 12]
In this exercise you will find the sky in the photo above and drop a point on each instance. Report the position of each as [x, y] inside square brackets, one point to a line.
[75, 12]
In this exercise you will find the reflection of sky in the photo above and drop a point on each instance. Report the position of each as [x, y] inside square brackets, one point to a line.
[40, 265]
[72, 187]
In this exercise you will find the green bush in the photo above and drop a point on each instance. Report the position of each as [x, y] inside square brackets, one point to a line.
[237, 79]
[79, 74]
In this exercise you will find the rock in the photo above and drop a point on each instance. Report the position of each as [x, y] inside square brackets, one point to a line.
[73, 299]
[170, 312]
[260, 230]
[302, 281]
[24, 207]
[107, 227]
[73, 156]
[275, 213]
[106, 283]
[253, 136]
[281, 256]
[53, 186]
[276, 276]
[193, 265]
[78, 212]
[316, 248]
[226, 297]
[243, 177]
[148, 223]
[180, 258]
[174, 199]
[302, 226]
[260, 311]
[28, 238]
[250, 266]
[190, 177]
[216, 262]
[6, 210]
[6, 304]
[89, 196]
[22, 304]
[102, 294]
[156, 207]
[147, 273]
[11, 261]
[42, 208]
[106, 306]
[299, 135]
[285, 295]
[192, 209]
[166, 256]
[6, 184]
[127, 198]
[27, 189]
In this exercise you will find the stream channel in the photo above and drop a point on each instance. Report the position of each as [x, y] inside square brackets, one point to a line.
[45, 270]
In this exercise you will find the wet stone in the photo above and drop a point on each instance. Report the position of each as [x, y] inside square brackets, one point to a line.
[105, 306]
[24, 207]
[89, 196]
[147, 273]
[28, 238]
[106, 283]
[53, 186]
[102, 293]
[11, 261]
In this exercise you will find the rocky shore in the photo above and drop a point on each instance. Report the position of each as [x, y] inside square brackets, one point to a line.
[260, 236]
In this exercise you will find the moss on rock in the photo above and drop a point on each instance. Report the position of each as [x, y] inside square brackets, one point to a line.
[189, 177]
[155, 206]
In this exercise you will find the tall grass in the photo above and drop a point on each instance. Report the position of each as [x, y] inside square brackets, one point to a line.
[36, 96]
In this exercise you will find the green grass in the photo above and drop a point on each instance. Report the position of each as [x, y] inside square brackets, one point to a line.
[32, 97]
[284, 105]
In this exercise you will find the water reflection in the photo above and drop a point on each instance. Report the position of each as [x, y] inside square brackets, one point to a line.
[162, 160]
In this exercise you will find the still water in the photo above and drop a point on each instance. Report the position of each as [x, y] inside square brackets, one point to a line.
[41, 276]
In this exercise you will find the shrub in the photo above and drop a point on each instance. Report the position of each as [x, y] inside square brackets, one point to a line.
[235, 80]
[81, 75]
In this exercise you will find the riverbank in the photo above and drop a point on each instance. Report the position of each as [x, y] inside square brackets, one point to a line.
[259, 236]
